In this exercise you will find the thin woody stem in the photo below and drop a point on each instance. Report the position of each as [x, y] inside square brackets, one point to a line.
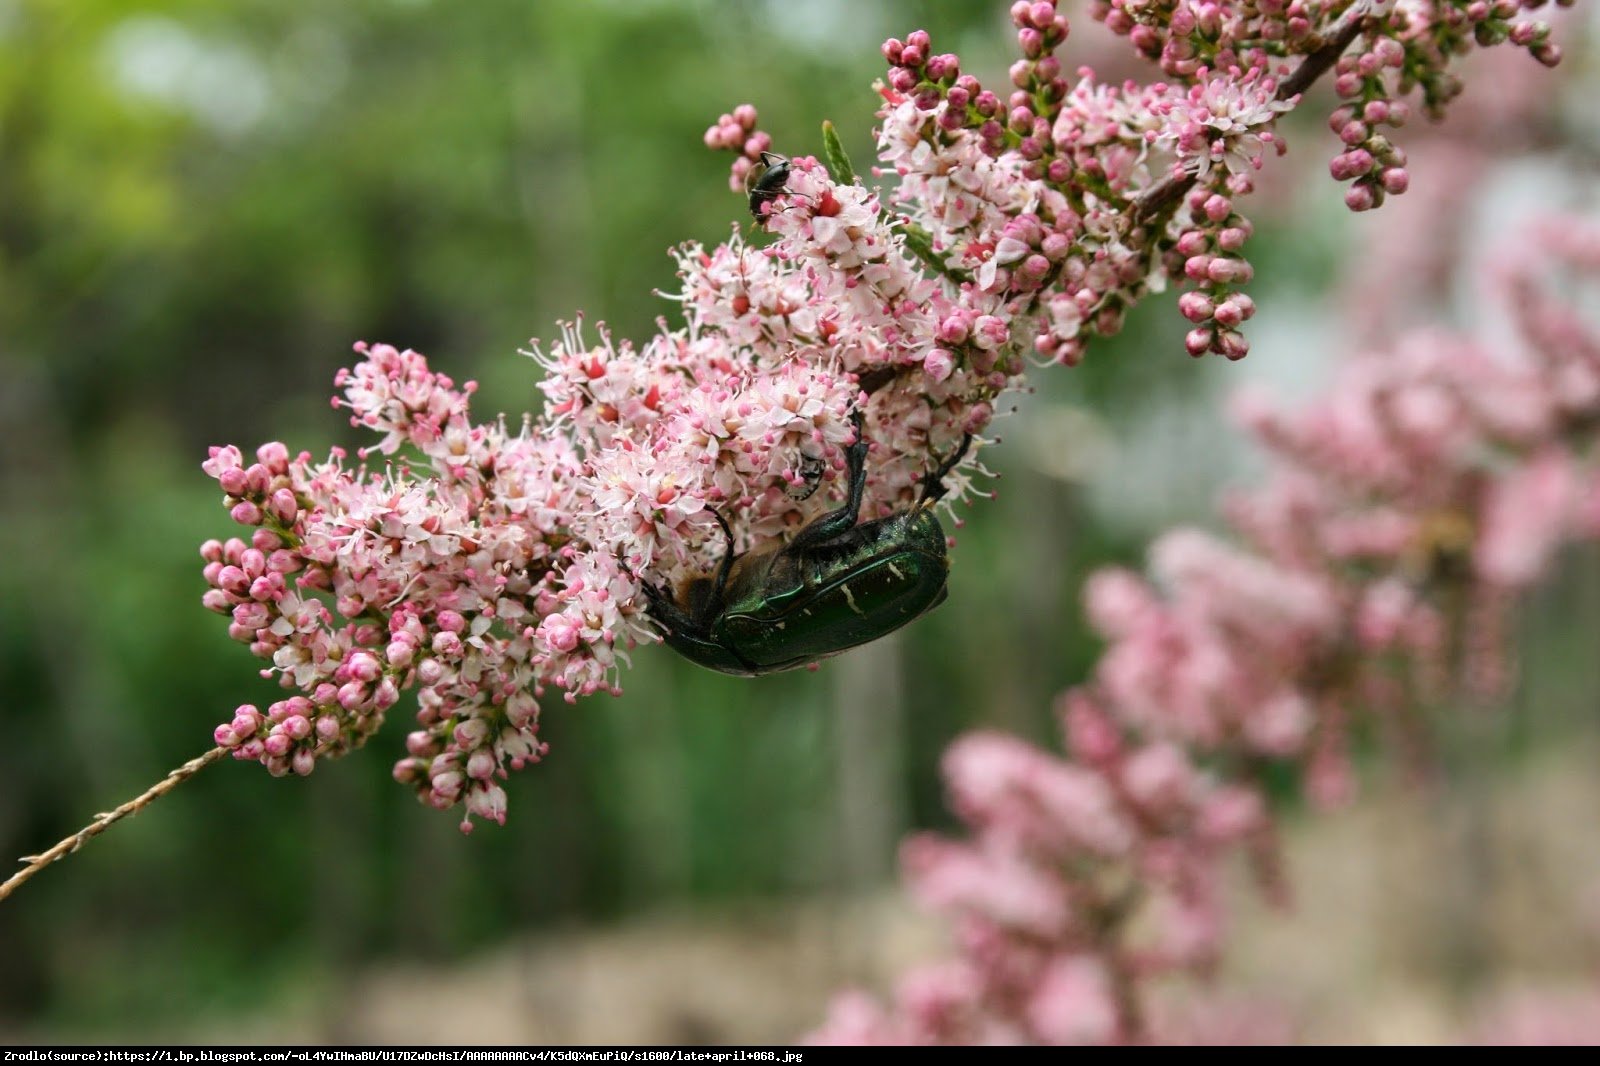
[1170, 190]
[105, 821]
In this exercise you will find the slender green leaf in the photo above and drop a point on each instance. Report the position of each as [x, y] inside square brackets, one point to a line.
[833, 151]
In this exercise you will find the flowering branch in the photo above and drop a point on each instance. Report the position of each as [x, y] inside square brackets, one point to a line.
[493, 564]
[1169, 190]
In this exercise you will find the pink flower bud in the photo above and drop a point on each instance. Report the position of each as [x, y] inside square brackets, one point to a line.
[283, 561]
[953, 329]
[352, 697]
[233, 481]
[1229, 314]
[978, 418]
[267, 589]
[1351, 164]
[284, 506]
[1224, 271]
[387, 694]
[251, 616]
[233, 580]
[480, 764]
[1192, 242]
[938, 364]
[1197, 342]
[1195, 306]
[363, 666]
[990, 332]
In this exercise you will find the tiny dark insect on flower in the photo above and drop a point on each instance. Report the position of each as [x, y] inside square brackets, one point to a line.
[810, 476]
[769, 185]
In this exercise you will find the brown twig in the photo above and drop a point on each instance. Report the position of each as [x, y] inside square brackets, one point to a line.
[1170, 189]
[102, 822]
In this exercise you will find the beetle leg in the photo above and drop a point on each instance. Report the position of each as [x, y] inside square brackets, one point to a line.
[666, 612]
[836, 523]
[727, 564]
[933, 484]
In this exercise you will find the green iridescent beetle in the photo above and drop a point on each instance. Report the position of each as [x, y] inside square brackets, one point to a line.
[835, 586]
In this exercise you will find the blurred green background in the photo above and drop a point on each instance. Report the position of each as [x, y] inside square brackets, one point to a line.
[202, 205]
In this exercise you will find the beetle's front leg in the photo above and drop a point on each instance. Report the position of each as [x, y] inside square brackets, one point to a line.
[666, 612]
[933, 486]
[725, 568]
[837, 523]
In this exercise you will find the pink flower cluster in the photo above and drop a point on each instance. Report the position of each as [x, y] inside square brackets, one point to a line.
[1405, 512]
[1405, 47]
[511, 559]
[1053, 207]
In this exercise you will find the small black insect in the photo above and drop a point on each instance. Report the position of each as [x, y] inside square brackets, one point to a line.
[810, 474]
[769, 185]
[835, 586]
